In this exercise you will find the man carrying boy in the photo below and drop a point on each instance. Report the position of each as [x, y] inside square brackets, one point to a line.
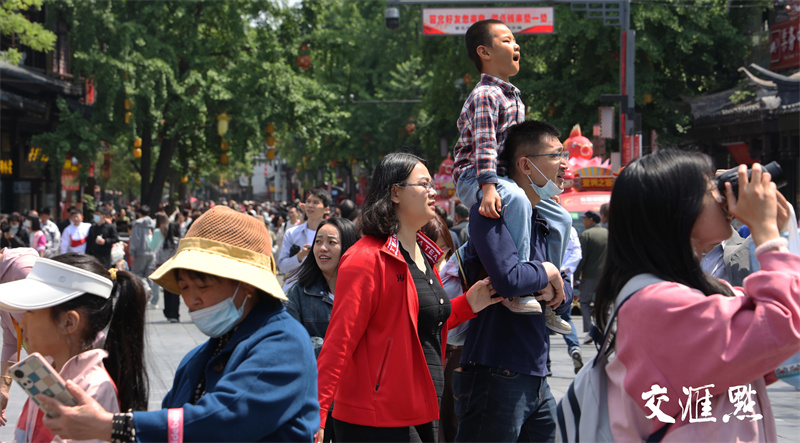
[501, 389]
[492, 107]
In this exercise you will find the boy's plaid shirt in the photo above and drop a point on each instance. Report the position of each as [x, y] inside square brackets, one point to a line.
[492, 107]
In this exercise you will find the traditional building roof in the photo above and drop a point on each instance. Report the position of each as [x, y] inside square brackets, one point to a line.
[760, 98]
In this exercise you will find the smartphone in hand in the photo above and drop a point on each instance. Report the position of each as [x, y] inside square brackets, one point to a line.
[36, 376]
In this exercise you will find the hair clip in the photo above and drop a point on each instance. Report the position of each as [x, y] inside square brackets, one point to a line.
[113, 273]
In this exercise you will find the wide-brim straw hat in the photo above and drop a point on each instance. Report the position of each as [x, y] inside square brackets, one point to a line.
[228, 244]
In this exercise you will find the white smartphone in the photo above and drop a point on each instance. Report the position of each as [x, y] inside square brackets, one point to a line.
[35, 375]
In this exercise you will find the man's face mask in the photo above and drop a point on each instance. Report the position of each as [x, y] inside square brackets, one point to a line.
[549, 190]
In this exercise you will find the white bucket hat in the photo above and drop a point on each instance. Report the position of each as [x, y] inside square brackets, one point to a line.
[49, 284]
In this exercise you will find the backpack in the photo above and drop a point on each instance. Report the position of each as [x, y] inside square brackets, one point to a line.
[583, 411]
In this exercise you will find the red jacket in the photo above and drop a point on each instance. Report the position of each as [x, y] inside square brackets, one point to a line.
[372, 361]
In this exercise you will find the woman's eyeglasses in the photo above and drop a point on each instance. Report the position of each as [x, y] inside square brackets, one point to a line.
[428, 186]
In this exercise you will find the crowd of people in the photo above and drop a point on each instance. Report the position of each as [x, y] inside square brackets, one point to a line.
[397, 322]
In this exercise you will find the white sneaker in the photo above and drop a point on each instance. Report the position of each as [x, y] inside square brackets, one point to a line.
[523, 305]
[555, 323]
[577, 359]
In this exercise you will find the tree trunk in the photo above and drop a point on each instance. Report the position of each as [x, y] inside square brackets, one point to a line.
[153, 197]
[147, 155]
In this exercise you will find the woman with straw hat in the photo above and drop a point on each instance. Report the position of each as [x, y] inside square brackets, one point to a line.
[254, 380]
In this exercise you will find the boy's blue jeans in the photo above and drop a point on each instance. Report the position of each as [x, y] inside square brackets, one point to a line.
[500, 405]
[516, 212]
[572, 338]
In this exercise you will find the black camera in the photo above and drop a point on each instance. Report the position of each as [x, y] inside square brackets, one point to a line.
[5, 227]
[732, 176]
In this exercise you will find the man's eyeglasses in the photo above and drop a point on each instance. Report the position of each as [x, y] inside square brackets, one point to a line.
[564, 154]
[429, 186]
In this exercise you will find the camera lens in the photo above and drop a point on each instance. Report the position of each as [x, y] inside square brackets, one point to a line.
[732, 176]
[19, 374]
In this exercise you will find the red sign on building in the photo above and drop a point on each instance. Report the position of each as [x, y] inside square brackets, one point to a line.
[784, 42]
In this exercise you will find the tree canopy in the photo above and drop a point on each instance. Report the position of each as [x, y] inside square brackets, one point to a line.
[178, 64]
[165, 70]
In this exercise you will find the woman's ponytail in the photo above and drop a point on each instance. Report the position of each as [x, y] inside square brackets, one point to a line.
[125, 342]
[124, 315]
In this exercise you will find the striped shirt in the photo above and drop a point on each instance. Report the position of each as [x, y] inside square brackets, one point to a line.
[492, 107]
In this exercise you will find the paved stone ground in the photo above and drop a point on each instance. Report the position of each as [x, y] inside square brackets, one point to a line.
[168, 343]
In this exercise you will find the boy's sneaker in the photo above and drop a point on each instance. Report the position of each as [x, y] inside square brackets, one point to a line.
[523, 305]
[556, 323]
[577, 359]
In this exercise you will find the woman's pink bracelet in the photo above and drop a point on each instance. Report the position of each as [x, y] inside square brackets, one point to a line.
[769, 245]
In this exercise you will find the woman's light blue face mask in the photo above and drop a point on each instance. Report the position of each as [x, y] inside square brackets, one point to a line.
[549, 190]
[214, 321]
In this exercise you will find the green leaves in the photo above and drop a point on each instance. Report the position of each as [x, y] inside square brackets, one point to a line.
[31, 34]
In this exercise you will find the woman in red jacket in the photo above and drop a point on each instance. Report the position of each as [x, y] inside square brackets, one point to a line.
[382, 357]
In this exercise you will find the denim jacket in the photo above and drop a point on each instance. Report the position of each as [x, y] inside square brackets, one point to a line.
[312, 307]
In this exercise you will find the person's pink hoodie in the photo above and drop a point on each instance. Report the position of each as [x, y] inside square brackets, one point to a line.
[676, 337]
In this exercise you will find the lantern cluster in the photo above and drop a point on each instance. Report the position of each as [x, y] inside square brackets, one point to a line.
[222, 129]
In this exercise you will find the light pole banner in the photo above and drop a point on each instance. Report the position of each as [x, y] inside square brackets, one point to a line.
[456, 21]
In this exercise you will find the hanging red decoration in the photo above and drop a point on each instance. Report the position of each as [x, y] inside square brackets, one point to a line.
[304, 59]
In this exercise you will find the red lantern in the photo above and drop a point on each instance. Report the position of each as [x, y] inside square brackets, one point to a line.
[304, 59]
[90, 92]
[107, 165]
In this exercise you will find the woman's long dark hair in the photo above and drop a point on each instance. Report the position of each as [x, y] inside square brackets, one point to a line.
[173, 235]
[378, 217]
[125, 319]
[310, 273]
[36, 224]
[654, 205]
[436, 229]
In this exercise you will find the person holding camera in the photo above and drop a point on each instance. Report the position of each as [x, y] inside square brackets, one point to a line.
[688, 332]
[298, 240]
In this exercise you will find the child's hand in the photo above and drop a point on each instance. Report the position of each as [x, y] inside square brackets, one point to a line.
[491, 205]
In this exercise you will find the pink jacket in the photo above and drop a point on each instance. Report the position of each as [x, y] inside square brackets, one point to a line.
[15, 264]
[87, 371]
[677, 338]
